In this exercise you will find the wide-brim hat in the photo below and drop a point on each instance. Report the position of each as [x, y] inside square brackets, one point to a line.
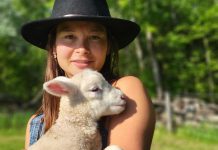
[36, 32]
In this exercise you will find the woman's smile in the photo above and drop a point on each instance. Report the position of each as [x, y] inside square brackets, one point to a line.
[82, 63]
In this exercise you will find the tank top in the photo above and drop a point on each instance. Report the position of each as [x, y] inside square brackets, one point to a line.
[37, 130]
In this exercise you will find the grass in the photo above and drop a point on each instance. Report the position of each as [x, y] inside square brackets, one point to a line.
[12, 130]
[186, 138]
[12, 139]
[204, 137]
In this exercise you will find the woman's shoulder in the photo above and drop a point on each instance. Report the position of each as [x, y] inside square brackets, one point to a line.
[129, 83]
[32, 118]
[129, 78]
[137, 119]
[138, 101]
[35, 118]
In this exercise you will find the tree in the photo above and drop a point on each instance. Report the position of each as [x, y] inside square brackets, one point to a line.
[21, 64]
[179, 38]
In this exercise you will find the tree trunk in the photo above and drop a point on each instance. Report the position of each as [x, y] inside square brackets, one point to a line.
[210, 76]
[139, 54]
[154, 65]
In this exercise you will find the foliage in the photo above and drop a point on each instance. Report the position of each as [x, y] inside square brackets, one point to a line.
[21, 64]
[184, 34]
[183, 43]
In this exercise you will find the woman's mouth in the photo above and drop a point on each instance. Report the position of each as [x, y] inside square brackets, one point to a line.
[82, 63]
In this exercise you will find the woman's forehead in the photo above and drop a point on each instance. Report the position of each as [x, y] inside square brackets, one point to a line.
[73, 25]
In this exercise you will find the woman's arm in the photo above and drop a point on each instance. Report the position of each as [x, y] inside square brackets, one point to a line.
[133, 129]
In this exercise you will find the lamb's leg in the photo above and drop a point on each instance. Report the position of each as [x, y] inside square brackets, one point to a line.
[113, 147]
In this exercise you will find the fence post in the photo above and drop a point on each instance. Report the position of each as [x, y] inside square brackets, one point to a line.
[169, 115]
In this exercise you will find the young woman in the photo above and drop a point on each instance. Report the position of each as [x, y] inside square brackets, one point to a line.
[81, 34]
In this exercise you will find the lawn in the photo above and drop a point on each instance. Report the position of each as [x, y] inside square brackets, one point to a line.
[12, 130]
[186, 138]
[203, 137]
[12, 139]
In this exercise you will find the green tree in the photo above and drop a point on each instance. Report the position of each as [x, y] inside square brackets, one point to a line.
[21, 64]
[179, 37]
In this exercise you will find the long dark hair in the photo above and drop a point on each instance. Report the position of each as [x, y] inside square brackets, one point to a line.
[50, 103]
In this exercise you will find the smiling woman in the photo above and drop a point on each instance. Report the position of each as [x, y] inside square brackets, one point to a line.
[80, 45]
[81, 34]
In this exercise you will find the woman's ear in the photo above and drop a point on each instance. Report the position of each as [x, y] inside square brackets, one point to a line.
[55, 55]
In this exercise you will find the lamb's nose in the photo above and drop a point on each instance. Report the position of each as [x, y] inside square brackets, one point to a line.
[123, 97]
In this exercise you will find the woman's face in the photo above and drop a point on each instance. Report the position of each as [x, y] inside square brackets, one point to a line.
[80, 45]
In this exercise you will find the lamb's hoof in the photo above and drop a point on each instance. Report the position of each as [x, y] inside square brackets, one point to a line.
[112, 147]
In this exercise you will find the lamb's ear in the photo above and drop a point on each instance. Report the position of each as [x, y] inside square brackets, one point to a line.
[60, 86]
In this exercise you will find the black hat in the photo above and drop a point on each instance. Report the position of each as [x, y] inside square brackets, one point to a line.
[36, 32]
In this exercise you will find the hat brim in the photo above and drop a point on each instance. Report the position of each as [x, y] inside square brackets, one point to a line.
[36, 32]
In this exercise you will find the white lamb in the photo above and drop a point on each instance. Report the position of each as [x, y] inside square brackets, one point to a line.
[85, 98]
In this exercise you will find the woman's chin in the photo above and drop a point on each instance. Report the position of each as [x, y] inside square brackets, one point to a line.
[77, 70]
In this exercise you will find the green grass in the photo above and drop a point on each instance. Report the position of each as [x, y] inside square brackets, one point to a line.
[204, 137]
[12, 130]
[203, 133]
[12, 139]
[186, 138]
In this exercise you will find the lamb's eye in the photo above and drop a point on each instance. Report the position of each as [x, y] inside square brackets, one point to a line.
[95, 89]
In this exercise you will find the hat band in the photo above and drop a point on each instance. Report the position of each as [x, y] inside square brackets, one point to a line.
[75, 15]
[70, 15]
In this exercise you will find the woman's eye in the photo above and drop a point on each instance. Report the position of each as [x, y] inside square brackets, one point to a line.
[70, 37]
[95, 37]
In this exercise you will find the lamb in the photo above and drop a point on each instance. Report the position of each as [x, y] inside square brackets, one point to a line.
[85, 98]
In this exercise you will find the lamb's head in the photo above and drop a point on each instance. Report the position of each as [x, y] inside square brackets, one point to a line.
[90, 87]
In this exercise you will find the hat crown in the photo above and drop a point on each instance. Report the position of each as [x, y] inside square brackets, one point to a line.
[63, 8]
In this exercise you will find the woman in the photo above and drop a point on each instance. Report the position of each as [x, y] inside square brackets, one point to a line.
[81, 34]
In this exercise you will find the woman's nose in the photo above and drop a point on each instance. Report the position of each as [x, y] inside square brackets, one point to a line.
[82, 48]
[82, 51]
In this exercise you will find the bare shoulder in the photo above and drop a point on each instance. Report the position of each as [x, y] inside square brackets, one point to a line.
[128, 79]
[31, 118]
[129, 82]
[133, 88]
[138, 118]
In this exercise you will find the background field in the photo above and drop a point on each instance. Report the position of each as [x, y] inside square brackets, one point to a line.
[204, 137]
